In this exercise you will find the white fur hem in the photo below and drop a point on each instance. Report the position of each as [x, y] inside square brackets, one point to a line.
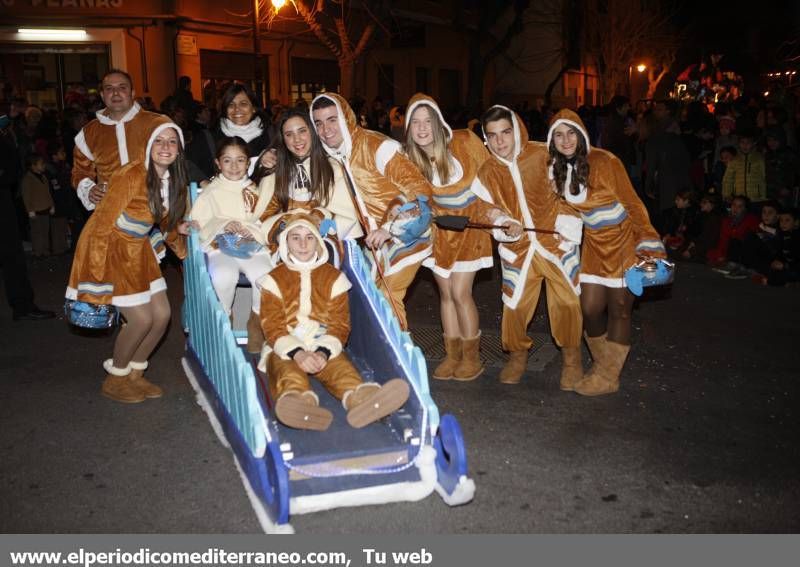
[84, 186]
[459, 267]
[398, 492]
[140, 298]
[608, 282]
[267, 525]
[409, 261]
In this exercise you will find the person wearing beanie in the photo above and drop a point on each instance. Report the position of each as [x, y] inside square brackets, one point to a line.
[617, 234]
[306, 321]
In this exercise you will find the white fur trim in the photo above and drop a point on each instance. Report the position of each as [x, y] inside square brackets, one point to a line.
[432, 103]
[507, 254]
[341, 285]
[386, 151]
[139, 365]
[268, 283]
[108, 366]
[570, 228]
[499, 234]
[608, 282]
[575, 125]
[381, 494]
[576, 199]
[84, 186]
[481, 191]
[343, 151]
[263, 517]
[132, 112]
[134, 299]
[409, 261]
[80, 142]
[517, 138]
[286, 344]
[156, 131]
[304, 309]
[329, 342]
[458, 267]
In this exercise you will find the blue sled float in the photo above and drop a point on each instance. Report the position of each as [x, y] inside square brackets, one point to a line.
[404, 457]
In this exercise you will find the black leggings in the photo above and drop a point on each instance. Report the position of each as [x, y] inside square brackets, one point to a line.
[596, 299]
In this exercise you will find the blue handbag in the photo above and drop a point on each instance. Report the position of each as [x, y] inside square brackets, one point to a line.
[90, 315]
[649, 272]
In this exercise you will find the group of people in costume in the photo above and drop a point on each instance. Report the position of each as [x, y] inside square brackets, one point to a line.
[561, 212]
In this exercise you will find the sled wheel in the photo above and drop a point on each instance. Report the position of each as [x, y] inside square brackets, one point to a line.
[278, 483]
[451, 454]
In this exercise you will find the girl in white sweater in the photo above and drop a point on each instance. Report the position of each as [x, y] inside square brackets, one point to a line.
[230, 231]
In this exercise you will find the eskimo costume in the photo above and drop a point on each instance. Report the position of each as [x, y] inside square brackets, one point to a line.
[104, 145]
[382, 177]
[304, 307]
[454, 251]
[221, 202]
[516, 186]
[616, 231]
[114, 262]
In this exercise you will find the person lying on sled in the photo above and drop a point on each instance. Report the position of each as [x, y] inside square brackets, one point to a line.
[306, 322]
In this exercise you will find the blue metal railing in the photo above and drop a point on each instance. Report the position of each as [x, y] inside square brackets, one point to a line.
[212, 340]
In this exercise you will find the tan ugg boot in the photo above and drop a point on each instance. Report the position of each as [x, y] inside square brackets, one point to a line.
[302, 411]
[571, 368]
[606, 379]
[147, 388]
[370, 402]
[118, 385]
[515, 367]
[255, 335]
[597, 348]
[452, 349]
[470, 366]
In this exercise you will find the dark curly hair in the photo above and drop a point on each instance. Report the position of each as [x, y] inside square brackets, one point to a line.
[580, 167]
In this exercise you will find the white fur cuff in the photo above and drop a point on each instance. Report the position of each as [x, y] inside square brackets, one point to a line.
[499, 234]
[570, 228]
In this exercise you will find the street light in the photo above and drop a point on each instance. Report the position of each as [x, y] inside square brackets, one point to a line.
[641, 67]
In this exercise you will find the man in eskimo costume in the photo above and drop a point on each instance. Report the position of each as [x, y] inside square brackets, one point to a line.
[117, 136]
[306, 322]
[512, 179]
[390, 193]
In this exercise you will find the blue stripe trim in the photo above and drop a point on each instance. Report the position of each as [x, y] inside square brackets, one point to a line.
[608, 215]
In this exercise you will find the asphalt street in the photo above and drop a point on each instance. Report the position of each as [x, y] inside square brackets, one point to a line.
[701, 438]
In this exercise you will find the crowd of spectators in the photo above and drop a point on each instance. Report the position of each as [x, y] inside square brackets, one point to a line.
[720, 185]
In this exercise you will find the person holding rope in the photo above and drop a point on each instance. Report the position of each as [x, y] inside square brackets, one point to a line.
[618, 234]
[389, 191]
[450, 161]
[549, 252]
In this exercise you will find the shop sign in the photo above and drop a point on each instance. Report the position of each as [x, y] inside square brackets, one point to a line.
[187, 44]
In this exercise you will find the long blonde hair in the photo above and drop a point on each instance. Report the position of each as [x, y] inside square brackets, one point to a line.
[440, 159]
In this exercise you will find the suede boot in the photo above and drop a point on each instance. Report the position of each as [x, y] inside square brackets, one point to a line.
[370, 402]
[571, 368]
[597, 348]
[470, 366]
[452, 349]
[118, 385]
[302, 411]
[255, 335]
[147, 388]
[515, 367]
[606, 379]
